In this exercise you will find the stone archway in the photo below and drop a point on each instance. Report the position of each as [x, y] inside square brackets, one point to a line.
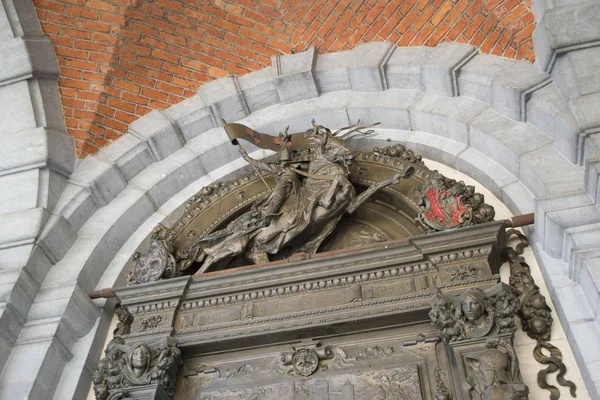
[425, 97]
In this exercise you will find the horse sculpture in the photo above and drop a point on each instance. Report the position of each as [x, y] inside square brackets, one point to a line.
[303, 209]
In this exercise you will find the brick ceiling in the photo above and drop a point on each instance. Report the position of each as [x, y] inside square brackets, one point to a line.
[119, 59]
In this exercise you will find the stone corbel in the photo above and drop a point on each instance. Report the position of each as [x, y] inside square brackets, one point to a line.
[138, 370]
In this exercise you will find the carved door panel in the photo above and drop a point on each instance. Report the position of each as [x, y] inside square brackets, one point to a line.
[401, 363]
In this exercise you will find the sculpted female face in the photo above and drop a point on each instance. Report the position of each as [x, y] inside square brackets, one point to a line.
[472, 307]
[140, 358]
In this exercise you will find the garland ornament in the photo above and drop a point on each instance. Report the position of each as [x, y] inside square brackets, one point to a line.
[536, 317]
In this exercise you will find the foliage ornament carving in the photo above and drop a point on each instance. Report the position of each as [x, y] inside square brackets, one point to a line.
[476, 313]
[535, 317]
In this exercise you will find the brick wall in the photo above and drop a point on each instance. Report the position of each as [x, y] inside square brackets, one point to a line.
[121, 58]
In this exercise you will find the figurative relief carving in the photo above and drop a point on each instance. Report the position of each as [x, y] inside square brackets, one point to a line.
[312, 191]
[375, 352]
[536, 317]
[400, 383]
[305, 361]
[304, 207]
[475, 313]
[152, 322]
[493, 373]
[464, 272]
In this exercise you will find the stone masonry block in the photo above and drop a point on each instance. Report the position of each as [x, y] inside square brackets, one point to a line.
[104, 180]
[554, 203]
[544, 53]
[24, 190]
[545, 171]
[76, 205]
[445, 117]
[129, 153]
[511, 86]
[224, 98]
[367, 65]
[192, 117]
[403, 68]
[573, 24]
[591, 179]
[492, 175]
[85, 262]
[46, 97]
[164, 179]
[590, 283]
[389, 107]
[120, 218]
[159, 132]
[28, 58]
[17, 114]
[585, 109]
[439, 71]
[293, 76]
[219, 156]
[22, 226]
[475, 77]
[518, 198]
[434, 147]
[576, 72]
[37, 147]
[503, 140]
[208, 141]
[331, 71]
[548, 112]
[556, 222]
[591, 148]
[15, 257]
[258, 88]
[57, 238]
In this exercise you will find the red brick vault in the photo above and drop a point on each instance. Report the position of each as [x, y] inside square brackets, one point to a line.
[119, 59]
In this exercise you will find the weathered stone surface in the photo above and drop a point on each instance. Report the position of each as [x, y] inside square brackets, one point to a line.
[331, 71]
[193, 116]
[475, 77]
[366, 67]
[159, 132]
[403, 68]
[293, 76]
[259, 90]
[225, 100]
[446, 117]
[439, 71]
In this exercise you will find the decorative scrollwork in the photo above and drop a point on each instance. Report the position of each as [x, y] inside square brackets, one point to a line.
[536, 317]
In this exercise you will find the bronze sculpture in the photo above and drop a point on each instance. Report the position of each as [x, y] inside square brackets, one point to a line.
[303, 209]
